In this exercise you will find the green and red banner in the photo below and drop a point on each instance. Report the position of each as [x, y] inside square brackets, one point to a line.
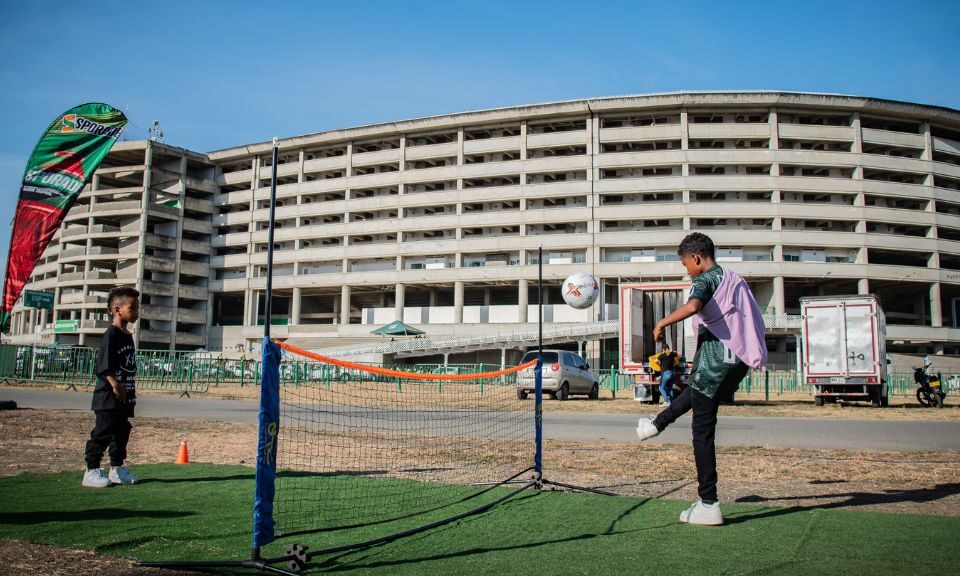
[61, 165]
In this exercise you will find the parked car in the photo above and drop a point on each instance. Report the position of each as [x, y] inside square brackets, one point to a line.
[564, 373]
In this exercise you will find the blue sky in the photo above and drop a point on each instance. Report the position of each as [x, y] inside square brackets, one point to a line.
[220, 74]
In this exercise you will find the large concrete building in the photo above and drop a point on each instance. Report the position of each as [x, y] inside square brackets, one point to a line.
[438, 221]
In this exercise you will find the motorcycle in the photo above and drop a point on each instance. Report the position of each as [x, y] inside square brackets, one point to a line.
[930, 392]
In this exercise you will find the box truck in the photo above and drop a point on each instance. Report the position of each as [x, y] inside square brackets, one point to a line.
[642, 305]
[844, 353]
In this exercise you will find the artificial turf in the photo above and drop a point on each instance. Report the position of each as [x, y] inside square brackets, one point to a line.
[204, 512]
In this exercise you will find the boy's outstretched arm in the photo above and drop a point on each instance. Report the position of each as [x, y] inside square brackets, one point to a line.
[682, 313]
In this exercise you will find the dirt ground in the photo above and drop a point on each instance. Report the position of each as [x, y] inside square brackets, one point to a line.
[910, 483]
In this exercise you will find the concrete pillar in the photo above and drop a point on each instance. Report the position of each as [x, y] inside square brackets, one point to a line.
[345, 304]
[774, 121]
[936, 310]
[684, 132]
[523, 140]
[857, 135]
[779, 302]
[458, 302]
[486, 296]
[503, 358]
[863, 286]
[522, 298]
[295, 306]
[927, 153]
[399, 296]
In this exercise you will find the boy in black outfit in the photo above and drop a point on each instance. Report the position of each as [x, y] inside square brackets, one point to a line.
[115, 396]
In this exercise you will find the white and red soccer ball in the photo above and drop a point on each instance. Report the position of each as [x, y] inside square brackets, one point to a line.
[580, 290]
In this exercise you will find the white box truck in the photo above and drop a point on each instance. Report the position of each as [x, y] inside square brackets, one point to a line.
[642, 305]
[844, 348]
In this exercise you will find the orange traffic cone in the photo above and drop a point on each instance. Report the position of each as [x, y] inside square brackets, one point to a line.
[183, 456]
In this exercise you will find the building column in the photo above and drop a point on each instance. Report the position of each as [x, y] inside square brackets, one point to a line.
[522, 300]
[345, 304]
[295, 306]
[458, 302]
[779, 301]
[399, 297]
[863, 286]
[936, 310]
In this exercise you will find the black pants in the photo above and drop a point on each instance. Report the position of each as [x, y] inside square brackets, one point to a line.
[111, 432]
[704, 429]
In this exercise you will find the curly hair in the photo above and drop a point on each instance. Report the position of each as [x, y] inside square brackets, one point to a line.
[119, 292]
[696, 243]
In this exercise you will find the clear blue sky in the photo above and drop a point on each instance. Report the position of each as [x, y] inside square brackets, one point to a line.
[220, 74]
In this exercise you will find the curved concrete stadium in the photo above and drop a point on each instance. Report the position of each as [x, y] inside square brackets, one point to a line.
[437, 221]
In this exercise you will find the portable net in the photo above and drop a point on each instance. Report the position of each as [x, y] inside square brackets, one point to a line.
[377, 449]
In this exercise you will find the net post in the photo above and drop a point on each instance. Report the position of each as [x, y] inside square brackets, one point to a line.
[268, 297]
[538, 379]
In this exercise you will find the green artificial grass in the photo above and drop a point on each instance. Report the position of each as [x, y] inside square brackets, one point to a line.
[204, 512]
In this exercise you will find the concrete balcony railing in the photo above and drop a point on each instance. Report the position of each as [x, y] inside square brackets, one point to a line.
[157, 288]
[491, 145]
[190, 339]
[72, 253]
[101, 275]
[893, 138]
[103, 206]
[153, 337]
[155, 312]
[195, 246]
[196, 205]
[95, 324]
[71, 276]
[192, 316]
[192, 292]
[159, 264]
[809, 132]
[102, 251]
[194, 268]
[162, 242]
[73, 231]
[104, 229]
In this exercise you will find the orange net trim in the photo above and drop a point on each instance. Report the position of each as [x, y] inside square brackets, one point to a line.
[397, 373]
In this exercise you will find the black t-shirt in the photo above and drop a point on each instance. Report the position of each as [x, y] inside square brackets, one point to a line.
[118, 357]
[666, 361]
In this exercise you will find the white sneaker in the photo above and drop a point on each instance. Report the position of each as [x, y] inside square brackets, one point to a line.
[703, 514]
[95, 478]
[120, 475]
[646, 429]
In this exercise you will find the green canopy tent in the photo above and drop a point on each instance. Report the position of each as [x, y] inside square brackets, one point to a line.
[398, 328]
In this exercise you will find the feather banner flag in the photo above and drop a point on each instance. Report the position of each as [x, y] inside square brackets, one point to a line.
[61, 164]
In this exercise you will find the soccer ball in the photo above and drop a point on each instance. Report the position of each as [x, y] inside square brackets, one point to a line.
[580, 290]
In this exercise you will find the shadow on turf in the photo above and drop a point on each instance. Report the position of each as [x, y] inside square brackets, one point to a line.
[343, 562]
[849, 499]
[40, 517]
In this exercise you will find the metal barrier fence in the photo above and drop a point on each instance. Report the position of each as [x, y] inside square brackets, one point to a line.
[195, 372]
[779, 383]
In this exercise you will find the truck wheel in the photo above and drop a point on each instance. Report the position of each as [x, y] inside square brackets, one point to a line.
[595, 391]
[884, 401]
[818, 400]
[521, 394]
[875, 397]
[564, 392]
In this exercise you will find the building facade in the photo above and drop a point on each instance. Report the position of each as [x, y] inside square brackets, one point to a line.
[438, 221]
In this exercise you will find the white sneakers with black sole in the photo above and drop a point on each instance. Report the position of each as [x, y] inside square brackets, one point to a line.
[703, 514]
